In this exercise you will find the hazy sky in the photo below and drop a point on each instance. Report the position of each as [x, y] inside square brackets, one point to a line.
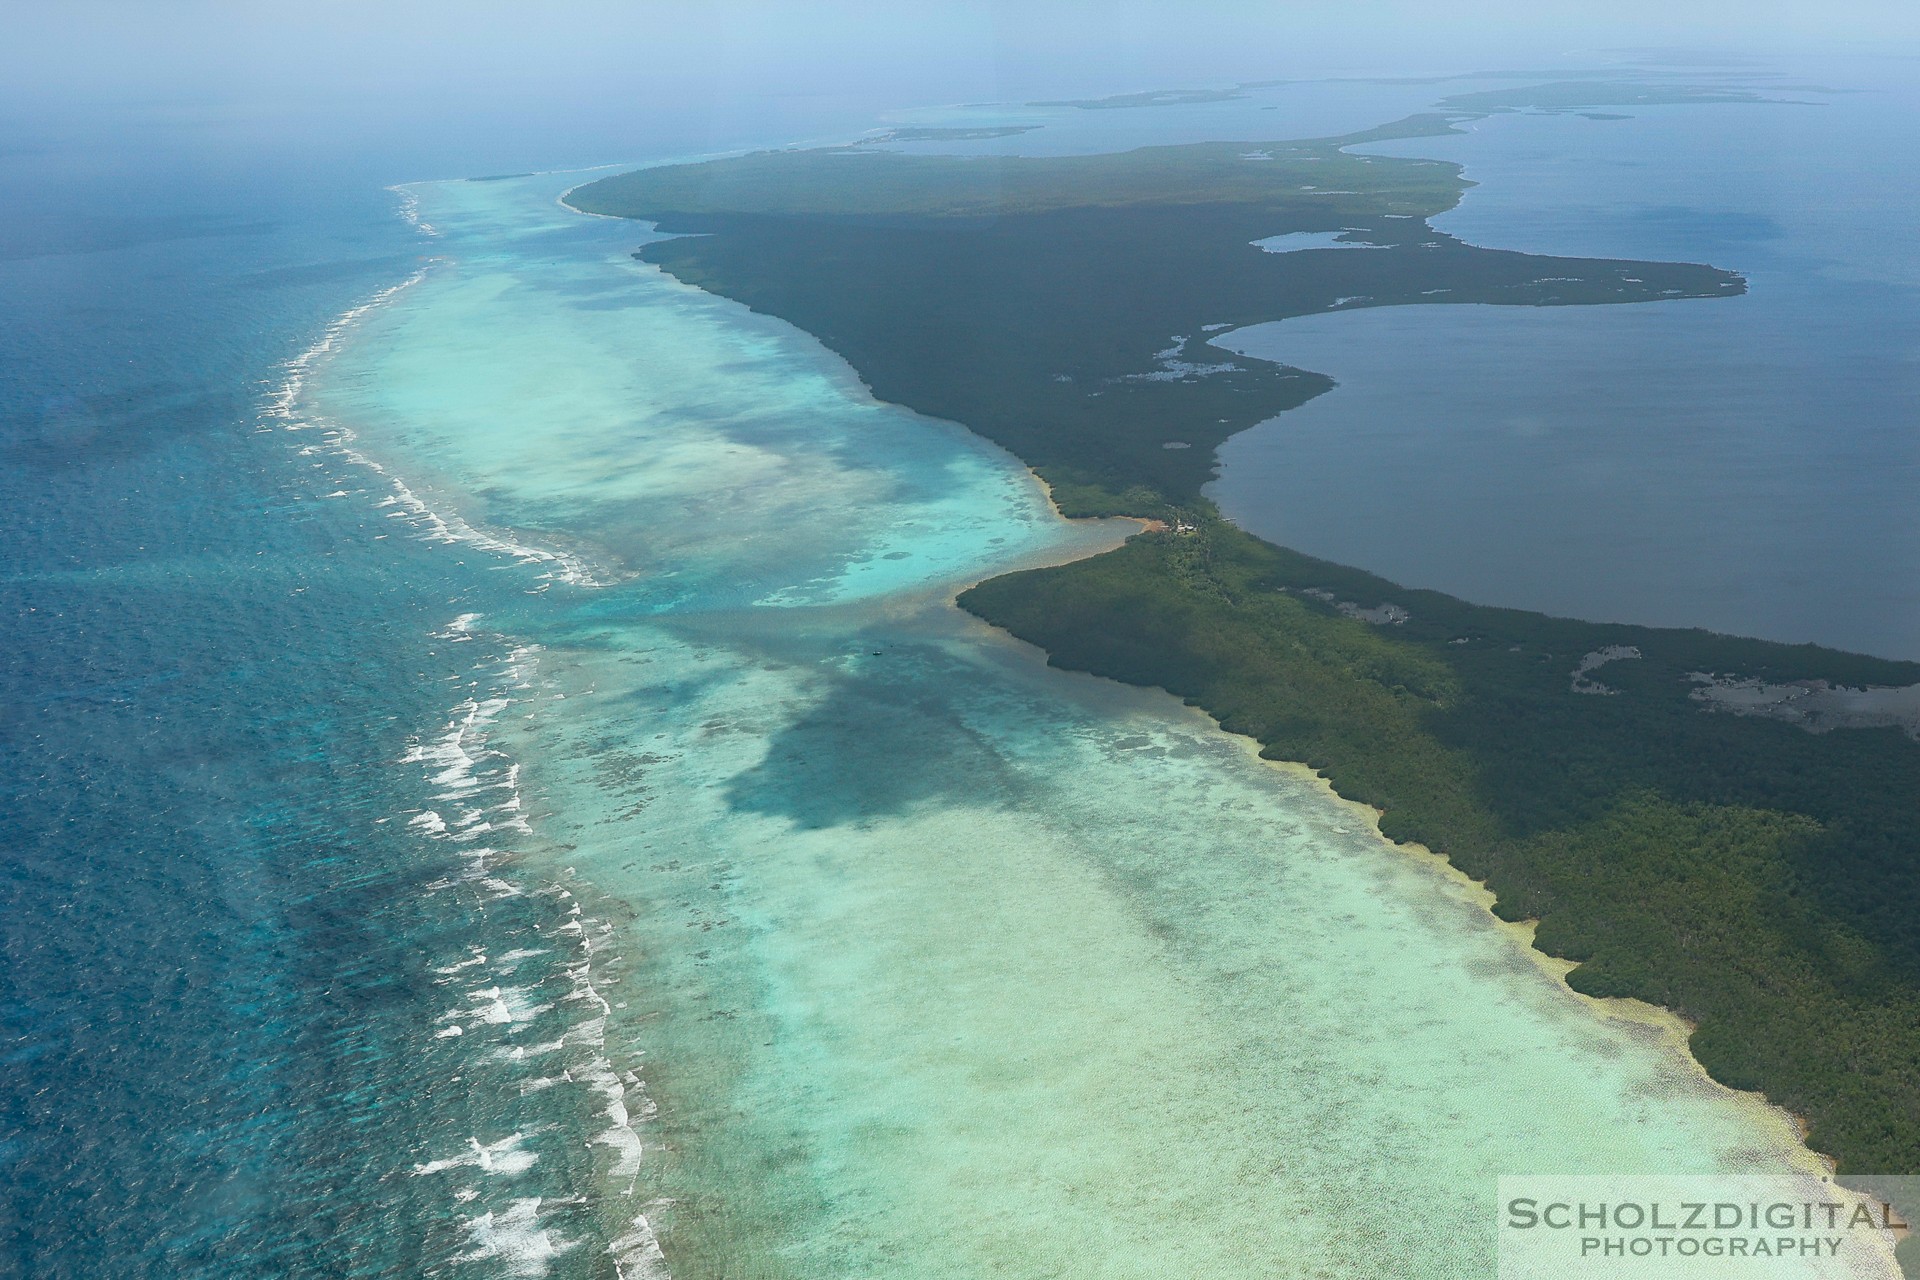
[277, 47]
[723, 70]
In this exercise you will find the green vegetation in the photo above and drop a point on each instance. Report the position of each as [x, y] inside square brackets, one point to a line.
[1059, 306]
[1758, 879]
[1755, 878]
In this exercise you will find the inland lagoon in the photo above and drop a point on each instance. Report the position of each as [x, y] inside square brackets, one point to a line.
[1745, 466]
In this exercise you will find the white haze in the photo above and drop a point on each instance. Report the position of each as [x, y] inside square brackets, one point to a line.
[575, 81]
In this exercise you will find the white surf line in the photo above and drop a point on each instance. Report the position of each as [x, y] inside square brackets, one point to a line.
[280, 406]
[410, 208]
[283, 408]
[465, 776]
[636, 1253]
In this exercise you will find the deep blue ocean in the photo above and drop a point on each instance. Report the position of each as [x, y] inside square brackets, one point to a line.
[217, 940]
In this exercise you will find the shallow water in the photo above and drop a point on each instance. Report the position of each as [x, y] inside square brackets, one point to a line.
[932, 960]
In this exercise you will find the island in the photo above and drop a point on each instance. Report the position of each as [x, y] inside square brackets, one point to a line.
[940, 133]
[1677, 840]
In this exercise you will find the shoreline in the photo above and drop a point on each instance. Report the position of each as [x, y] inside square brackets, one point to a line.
[1670, 1031]
[1673, 1030]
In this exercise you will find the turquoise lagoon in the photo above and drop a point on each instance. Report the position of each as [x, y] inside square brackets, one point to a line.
[906, 955]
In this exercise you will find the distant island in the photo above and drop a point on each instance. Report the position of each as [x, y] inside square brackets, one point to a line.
[946, 133]
[1680, 837]
[1150, 98]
